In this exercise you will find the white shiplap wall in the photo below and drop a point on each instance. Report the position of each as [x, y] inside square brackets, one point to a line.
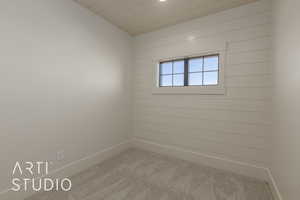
[233, 126]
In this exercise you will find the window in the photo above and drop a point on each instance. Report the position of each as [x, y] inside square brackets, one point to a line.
[194, 71]
[197, 74]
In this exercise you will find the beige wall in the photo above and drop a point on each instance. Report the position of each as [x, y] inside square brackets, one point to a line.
[286, 135]
[64, 83]
[234, 126]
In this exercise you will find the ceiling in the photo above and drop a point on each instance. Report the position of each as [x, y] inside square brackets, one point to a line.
[141, 16]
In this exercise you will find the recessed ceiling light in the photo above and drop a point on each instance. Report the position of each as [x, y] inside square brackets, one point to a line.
[191, 38]
[162, 0]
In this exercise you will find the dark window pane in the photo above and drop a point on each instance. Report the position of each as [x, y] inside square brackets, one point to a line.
[195, 64]
[178, 67]
[166, 80]
[178, 80]
[195, 78]
[210, 78]
[211, 63]
[166, 68]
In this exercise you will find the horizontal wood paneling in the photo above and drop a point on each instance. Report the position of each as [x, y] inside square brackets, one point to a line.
[235, 125]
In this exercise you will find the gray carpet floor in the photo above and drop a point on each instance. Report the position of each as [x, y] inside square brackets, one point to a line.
[141, 175]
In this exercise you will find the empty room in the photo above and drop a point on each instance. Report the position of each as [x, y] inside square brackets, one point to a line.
[149, 100]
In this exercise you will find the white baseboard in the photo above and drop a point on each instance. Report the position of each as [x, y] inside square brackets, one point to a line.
[72, 168]
[77, 166]
[246, 169]
[273, 186]
[213, 161]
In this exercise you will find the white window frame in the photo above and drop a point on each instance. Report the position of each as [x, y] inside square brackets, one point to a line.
[201, 89]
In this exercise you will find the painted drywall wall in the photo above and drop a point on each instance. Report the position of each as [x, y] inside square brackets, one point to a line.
[64, 83]
[233, 126]
[286, 147]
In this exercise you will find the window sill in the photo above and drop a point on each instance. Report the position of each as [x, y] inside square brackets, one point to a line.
[201, 90]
